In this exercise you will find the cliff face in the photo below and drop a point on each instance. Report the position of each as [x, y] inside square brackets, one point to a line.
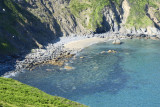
[88, 16]
[26, 24]
[46, 10]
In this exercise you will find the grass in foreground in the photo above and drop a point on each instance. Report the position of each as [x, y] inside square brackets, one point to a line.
[17, 94]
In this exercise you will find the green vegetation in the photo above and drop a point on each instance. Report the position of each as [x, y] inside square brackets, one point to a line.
[9, 19]
[156, 5]
[95, 11]
[18, 22]
[138, 17]
[157, 14]
[16, 94]
[6, 47]
[18, 28]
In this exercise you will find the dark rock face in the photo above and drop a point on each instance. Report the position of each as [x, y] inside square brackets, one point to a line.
[105, 26]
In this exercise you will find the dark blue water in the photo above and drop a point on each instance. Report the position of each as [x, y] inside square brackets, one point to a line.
[128, 78]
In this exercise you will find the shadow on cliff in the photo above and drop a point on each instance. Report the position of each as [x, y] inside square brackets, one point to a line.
[105, 27]
[20, 32]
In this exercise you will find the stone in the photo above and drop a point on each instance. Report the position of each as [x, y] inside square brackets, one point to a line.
[154, 38]
[139, 31]
[103, 52]
[146, 37]
[48, 70]
[68, 67]
[111, 51]
[116, 41]
[143, 30]
[81, 57]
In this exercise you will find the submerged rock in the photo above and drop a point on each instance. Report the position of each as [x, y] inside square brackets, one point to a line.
[68, 67]
[111, 51]
[103, 52]
[81, 57]
[48, 69]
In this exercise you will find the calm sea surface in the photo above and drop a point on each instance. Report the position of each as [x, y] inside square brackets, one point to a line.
[128, 78]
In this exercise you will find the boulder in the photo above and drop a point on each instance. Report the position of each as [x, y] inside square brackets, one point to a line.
[109, 51]
[116, 41]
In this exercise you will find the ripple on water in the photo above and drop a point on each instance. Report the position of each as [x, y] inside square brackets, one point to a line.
[128, 78]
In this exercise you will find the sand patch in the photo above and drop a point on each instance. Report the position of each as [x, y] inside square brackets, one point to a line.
[81, 44]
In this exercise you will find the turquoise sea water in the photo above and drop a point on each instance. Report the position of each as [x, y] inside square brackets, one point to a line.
[128, 78]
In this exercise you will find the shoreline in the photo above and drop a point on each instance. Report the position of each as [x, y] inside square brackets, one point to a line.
[81, 44]
[67, 47]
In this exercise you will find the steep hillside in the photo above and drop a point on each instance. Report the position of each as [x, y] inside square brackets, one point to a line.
[26, 24]
[140, 13]
[20, 30]
[16, 94]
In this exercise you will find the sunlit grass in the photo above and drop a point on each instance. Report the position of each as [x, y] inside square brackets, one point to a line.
[17, 94]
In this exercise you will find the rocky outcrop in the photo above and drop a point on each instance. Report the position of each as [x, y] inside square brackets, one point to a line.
[38, 22]
[126, 11]
[154, 15]
[109, 21]
[125, 14]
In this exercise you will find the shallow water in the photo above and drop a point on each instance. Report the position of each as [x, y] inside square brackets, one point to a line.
[128, 78]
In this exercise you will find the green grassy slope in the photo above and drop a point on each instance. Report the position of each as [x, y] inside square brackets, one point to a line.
[138, 17]
[17, 94]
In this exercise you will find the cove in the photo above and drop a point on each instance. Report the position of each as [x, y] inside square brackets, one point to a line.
[128, 78]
